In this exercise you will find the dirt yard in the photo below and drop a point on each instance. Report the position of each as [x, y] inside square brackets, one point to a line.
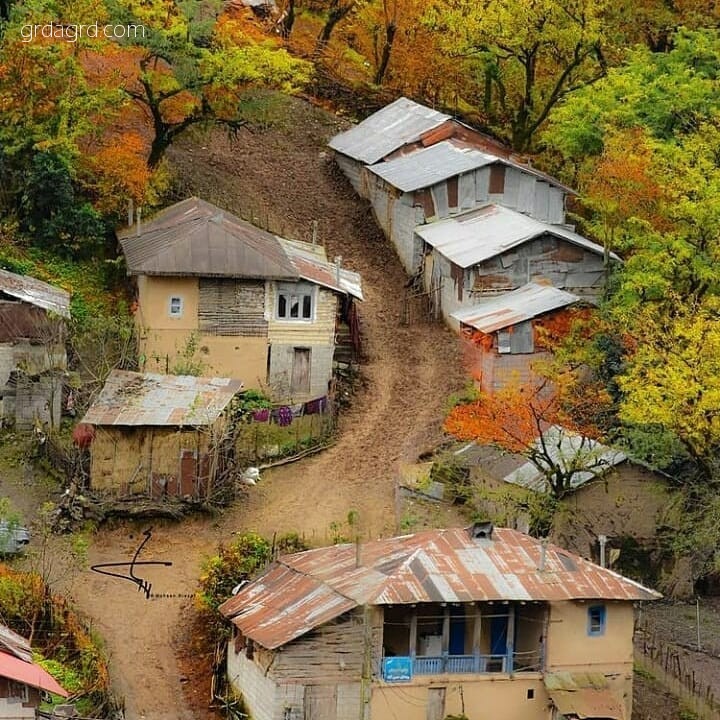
[283, 176]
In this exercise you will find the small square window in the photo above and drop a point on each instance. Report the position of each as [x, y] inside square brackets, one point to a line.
[176, 306]
[596, 620]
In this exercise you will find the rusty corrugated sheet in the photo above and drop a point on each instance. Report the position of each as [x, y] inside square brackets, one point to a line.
[585, 695]
[395, 125]
[282, 605]
[35, 292]
[516, 306]
[312, 264]
[303, 590]
[478, 235]
[142, 399]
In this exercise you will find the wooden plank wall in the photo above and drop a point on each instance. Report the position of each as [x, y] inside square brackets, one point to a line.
[232, 307]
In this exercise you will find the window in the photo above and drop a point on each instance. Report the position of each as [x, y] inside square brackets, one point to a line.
[176, 306]
[17, 692]
[295, 301]
[596, 620]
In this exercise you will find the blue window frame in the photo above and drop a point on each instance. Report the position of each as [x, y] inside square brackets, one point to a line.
[597, 615]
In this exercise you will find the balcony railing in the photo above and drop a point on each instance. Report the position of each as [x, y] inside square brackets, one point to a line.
[402, 669]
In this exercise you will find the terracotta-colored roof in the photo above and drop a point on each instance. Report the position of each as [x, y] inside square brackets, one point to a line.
[17, 664]
[430, 566]
[130, 398]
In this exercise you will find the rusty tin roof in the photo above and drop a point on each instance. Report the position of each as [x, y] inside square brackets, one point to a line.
[143, 399]
[35, 292]
[516, 306]
[302, 591]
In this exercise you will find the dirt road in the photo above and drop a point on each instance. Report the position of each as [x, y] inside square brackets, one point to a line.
[410, 371]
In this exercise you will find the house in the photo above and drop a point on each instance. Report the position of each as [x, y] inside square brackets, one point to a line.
[437, 623]
[493, 250]
[32, 349]
[161, 435]
[504, 335]
[230, 299]
[607, 489]
[416, 165]
[21, 679]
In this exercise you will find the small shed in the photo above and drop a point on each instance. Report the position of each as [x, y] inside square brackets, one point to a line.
[503, 335]
[161, 435]
[32, 349]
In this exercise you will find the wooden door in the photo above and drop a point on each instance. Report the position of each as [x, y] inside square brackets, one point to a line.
[300, 382]
[321, 702]
[436, 704]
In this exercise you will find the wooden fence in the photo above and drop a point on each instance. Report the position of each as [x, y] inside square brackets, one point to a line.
[670, 665]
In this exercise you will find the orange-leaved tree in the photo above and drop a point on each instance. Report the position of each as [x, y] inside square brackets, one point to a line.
[544, 422]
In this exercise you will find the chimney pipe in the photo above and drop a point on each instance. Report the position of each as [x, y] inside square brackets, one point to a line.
[138, 216]
[131, 212]
[338, 264]
[543, 554]
[602, 539]
[314, 232]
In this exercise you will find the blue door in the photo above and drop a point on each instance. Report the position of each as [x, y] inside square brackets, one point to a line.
[457, 631]
[498, 635]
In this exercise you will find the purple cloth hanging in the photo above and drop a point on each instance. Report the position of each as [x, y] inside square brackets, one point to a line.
[284, 416]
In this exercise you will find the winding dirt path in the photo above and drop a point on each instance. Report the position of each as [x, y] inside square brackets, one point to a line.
[410, 372]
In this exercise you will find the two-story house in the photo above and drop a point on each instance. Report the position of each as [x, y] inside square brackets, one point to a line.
[475, 621]
[236, 300]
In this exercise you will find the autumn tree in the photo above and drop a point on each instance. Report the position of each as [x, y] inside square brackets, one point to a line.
[534, 420]
[187, 72]
[526, 56]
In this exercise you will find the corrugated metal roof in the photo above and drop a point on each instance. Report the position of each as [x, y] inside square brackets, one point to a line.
[35, 292]
[510, 308]
[427, 166]
[29, 673]
[15, 644]
[429, 566]
[196, 238]
[395, 125]
[142, 399]
[312, 264]
[584, 695]
[431, 165]
[567, 450]
[478, 235]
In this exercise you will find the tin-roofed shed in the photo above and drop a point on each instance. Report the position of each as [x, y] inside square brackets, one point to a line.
[160, 435]
[32, 349]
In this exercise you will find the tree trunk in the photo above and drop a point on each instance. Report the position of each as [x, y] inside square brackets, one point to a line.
[335, 15]
[286, 22]
[390, 31]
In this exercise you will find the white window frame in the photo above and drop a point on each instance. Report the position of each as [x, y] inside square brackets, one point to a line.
[181, 305]
[299, 290]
